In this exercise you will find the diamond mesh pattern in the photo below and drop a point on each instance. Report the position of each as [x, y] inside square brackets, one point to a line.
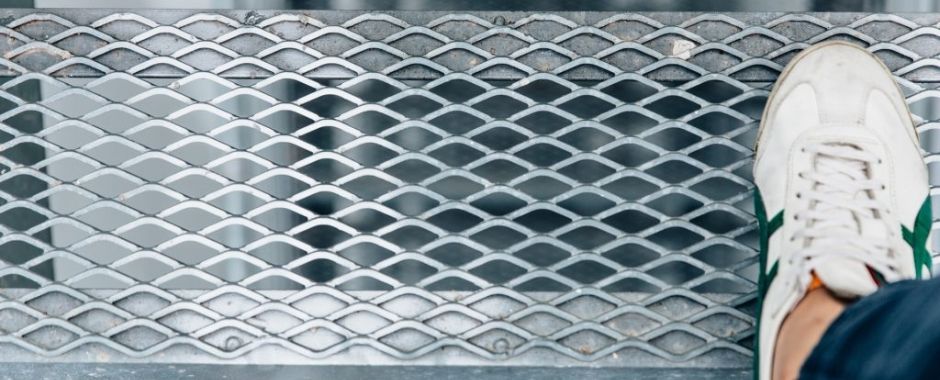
[342, 187]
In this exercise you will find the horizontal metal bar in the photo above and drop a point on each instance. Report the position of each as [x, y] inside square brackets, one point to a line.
[108, 371]
[491, 45]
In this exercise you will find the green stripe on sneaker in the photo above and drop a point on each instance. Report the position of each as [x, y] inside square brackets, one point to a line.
[774, 223]
[766, 229]
[917, 238]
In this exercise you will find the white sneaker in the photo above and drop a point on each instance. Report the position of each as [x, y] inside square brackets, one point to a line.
[842, 188]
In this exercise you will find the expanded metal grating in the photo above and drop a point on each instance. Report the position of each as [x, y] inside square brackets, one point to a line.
[288, 187]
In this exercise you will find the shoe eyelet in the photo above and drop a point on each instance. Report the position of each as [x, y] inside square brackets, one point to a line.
[880, 161]
[799, 195]
[883, 187]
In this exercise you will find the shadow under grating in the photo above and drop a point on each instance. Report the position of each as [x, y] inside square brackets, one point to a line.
[340, 187]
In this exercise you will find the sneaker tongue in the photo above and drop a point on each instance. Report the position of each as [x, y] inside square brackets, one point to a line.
[846, 278]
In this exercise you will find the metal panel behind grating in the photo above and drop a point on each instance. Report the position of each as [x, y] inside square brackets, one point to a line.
[260, 187]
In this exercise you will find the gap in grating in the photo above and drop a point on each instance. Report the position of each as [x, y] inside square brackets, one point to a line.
[454, 162]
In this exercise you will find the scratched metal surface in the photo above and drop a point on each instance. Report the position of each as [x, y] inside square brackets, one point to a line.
[480, 188]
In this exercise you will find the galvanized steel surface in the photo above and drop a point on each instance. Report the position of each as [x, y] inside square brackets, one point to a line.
[481, 188]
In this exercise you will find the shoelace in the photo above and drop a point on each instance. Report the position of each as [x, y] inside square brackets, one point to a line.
[839, 203]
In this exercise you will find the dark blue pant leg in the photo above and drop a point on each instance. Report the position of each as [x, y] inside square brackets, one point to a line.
[891, 334]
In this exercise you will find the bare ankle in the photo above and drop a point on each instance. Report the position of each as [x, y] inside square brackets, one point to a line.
[802, 329]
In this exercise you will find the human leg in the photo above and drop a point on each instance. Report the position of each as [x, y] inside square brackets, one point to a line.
[842, 197]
